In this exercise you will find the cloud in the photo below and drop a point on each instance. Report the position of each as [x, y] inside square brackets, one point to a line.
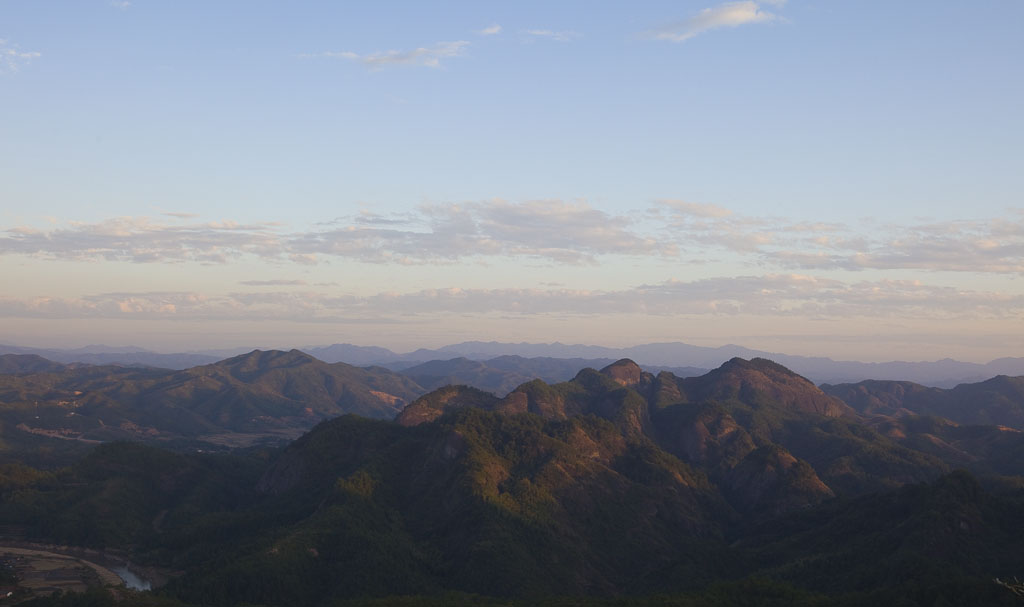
[562, 36]
[142, 240]
[121, 4]
[992, 245]
[695, 209]
[369, 218]
[423, 56]
[12, 58]
[490, 31]
[549, 231]
[730, 14]
[552, 230]
[273, 283]
[770, 295]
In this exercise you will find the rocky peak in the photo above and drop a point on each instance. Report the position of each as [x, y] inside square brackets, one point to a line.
[431, 406]
[763, 381]
[625, 372]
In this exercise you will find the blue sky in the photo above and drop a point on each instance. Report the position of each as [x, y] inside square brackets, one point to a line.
[833, 178]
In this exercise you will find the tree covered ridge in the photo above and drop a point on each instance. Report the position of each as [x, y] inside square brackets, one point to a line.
[615, 484]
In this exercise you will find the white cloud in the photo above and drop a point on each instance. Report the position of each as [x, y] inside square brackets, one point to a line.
[772, 295]
[12, 58]
[490, 31]
[551, 231]
[274, 283]
[730, 14]
[696, 209]
[558, 36]
[141, 240]
[993, 246]
[121, 4]
[423, 56]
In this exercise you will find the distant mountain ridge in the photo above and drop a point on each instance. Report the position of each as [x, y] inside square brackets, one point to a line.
[941, 373]
[996, 401]
[108, 355]
[27, 363]
[945, 373]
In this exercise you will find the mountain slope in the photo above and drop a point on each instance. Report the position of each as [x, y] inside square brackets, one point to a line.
[479, 502]
[503, 374]
[997, 401]
[259, 392]
[931, 533]
[745, 419]
[27, 363]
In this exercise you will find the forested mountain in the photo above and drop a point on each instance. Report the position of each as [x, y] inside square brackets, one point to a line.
[16, 364]
[616, 483]
[260, 393]
[503, 374]
[999, 400]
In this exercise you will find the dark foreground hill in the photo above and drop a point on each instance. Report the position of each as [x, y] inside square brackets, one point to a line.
[510, 507]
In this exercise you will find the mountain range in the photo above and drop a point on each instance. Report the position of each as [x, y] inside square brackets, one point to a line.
[746, 483]
[275, 393]
[945, 373]
[939, 373]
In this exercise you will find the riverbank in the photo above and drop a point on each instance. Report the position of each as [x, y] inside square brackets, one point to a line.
[46, 568]
[43, 573]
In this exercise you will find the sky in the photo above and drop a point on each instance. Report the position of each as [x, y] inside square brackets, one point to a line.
[815, 177]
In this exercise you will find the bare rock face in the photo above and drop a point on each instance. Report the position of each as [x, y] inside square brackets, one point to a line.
[536, 397]
[762, 381]
[771, 481]
[714, 439]
[516, 402]
[625, 372]
[665, 390]
[431, 406]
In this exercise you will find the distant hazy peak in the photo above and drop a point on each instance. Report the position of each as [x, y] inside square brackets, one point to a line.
[270, 359]
[27, 363]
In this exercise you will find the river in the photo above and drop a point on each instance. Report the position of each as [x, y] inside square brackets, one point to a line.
[131, 579]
